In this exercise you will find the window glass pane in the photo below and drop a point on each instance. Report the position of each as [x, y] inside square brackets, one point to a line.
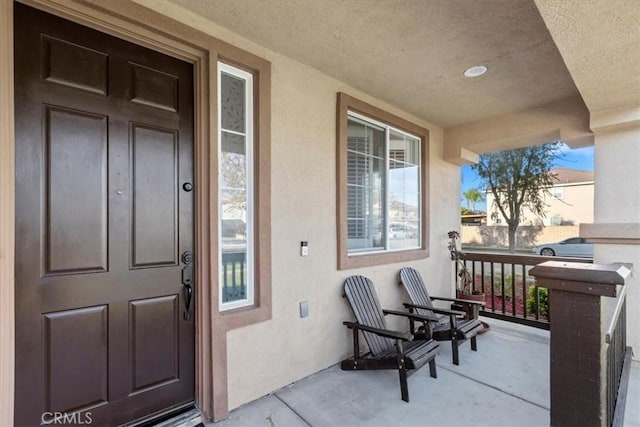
[366, 138]
[383, 187]
[234, 203]
[233, 164]
[365, 187]
[404, 191]
[233, 143]
[413, 150]
[232, 98]
[404, 205]
[233, 244]
[404, 148]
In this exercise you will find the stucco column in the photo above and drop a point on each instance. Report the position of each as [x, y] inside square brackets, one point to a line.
[616, 228]
[587, 311]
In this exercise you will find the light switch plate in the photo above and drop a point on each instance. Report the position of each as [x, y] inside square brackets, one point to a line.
[304, 309]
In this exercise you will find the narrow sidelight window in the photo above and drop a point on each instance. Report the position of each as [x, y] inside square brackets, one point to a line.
[235, 178]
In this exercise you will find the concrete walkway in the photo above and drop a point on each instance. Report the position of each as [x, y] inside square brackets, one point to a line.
[505, 383]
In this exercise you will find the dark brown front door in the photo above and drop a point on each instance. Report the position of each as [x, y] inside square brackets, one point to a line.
[104, 211]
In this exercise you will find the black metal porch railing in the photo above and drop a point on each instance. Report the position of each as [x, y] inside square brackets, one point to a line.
[616, 339]
[510, 293]
[234, 276]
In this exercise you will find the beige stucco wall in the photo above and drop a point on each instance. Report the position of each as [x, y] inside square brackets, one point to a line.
[617, 197]
[576, 207]
[617, 201]
[271, 354]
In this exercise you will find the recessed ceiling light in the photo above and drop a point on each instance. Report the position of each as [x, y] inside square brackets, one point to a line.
[475, 71]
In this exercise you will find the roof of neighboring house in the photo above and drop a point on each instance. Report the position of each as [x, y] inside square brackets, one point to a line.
[570, 176]
[472, 216]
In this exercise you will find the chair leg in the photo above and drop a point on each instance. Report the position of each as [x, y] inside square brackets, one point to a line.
[432, 368]
[454, 350]
[402, 371]
[474, 344]
[404, 388]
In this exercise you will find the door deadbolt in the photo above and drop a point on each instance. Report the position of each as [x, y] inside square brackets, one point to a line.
[187, 186]
[187, 257]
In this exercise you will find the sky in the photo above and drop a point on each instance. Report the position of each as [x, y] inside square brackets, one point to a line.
[581, 158]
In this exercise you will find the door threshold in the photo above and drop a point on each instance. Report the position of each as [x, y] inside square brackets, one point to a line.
[191, 418]
[185, 416]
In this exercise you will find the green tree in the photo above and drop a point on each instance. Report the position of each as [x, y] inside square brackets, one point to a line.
[473, 196]
[517, 179]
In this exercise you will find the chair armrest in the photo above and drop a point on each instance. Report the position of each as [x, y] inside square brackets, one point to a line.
[435, 310]
[413, 316]
[463, 301]
[404, 336]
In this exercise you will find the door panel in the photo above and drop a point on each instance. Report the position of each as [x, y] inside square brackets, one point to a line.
[75, 146]
[71, 385]
[75, 66]
[154, 163]
[154, 338]
[104, 142]
[154, 88]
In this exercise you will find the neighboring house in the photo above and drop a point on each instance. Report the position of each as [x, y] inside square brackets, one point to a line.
[131, 132]
[474, 219]
[570, 201]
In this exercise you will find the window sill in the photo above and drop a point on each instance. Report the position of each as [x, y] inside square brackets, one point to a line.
[346, 262]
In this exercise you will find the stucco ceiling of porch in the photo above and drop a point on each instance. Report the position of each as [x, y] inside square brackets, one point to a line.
[558, 69]
[412, 53]
[600, 44]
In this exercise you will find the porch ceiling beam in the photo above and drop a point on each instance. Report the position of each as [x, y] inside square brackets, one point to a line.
[626, 117]
[461, 156]
[566, 120]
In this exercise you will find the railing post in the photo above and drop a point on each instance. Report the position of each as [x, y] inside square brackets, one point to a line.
[580, 318]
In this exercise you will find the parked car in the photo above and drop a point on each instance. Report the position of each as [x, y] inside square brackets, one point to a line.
[397, 231]
[573, 247]
[401, 231]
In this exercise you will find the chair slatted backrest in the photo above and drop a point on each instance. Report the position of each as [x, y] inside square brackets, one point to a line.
[366, 308]
[416, 289]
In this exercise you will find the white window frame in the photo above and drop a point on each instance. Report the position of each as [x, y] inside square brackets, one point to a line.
[558, 193]
[387, 128]
[249, 147]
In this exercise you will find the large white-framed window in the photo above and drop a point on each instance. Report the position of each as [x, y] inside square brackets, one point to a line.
[382, 186]
[235, 190]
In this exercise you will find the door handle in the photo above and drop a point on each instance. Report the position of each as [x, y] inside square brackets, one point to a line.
[187, 282]
[188, 293]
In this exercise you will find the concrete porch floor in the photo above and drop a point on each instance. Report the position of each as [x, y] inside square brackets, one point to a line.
[505, 383]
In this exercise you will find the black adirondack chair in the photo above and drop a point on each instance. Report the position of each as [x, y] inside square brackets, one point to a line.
[449, 326]
[388, 349]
